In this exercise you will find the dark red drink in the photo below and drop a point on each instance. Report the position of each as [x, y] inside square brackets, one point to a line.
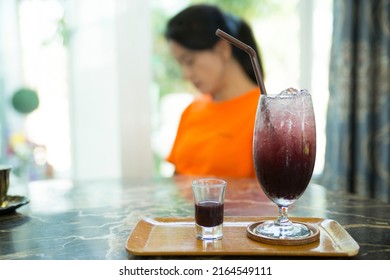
[284, 146]
[209, 213]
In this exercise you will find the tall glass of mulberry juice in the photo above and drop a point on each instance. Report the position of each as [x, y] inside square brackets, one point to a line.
[284, 150]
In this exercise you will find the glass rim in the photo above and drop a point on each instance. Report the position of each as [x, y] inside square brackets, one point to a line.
[209, 182]
[286, 96]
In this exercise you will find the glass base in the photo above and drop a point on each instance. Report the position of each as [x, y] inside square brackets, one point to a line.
[209, 233]
[290, 231]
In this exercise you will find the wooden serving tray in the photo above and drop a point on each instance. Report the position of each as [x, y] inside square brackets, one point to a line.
[176, 236]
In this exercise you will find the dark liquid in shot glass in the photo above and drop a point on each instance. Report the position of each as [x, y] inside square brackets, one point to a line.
[209, 213]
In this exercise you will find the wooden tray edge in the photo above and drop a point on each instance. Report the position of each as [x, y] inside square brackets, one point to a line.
[326, 224]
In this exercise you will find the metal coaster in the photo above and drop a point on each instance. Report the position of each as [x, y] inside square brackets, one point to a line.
[315, 235]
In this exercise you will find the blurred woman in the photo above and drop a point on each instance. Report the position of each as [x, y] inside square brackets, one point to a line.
[214, 137]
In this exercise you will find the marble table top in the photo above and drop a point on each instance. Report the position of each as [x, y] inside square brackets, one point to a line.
[92, 220]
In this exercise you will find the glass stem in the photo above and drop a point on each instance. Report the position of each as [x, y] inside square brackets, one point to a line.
[282, 219]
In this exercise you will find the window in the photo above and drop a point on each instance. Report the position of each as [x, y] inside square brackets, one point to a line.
[42, 135]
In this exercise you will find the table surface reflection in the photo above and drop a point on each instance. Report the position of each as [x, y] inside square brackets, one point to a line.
[92, 220]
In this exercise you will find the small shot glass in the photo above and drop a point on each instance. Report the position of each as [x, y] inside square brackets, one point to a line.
[209, 195]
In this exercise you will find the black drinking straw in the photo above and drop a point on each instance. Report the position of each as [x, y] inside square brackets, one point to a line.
[252, 54]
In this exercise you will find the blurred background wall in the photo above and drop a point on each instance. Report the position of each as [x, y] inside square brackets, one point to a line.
[109, 77]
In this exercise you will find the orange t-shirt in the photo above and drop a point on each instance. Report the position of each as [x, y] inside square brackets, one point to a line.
[215, 138]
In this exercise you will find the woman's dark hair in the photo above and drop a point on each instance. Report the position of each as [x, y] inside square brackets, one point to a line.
[194, 28]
